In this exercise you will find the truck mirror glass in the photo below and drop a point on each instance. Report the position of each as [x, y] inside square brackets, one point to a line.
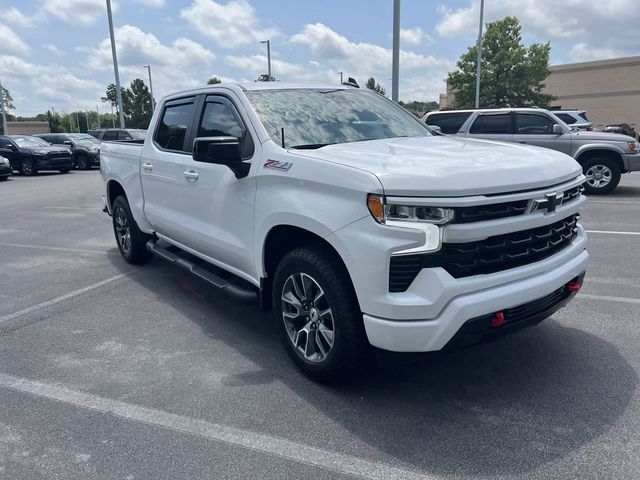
[221, 151]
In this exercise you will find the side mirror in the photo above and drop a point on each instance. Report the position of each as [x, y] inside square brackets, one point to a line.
[13, 147]
[557, 129]
[436, 129]
[67, 142]
[221, 151]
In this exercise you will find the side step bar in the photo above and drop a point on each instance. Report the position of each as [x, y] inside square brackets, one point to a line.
[247, 294]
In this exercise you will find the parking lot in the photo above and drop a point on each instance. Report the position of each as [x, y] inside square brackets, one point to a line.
[114, 371]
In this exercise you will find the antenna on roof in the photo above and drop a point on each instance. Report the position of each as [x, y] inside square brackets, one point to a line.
[351, 82]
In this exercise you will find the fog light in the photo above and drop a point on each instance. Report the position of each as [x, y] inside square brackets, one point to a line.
[497, 320]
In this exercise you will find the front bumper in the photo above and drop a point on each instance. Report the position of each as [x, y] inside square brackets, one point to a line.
[56, 163]
[633, 161]
[5, 170]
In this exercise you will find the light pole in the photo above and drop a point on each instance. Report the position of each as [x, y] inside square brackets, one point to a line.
[5, 127]
[479, 60]
[340, 73]
[395, 62]
[268, 42]
[115, 64]
[86, 112]
[78, 121]
[153, 101]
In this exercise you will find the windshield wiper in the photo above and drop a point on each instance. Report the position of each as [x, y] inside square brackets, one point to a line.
[312, 146]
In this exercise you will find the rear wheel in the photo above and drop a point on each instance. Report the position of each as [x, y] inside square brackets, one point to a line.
[318, 315]
[29, 167]
[603, 175]
[83, 163]
[132, 243]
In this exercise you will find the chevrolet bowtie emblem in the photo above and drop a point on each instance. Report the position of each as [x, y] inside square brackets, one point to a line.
[549, 203]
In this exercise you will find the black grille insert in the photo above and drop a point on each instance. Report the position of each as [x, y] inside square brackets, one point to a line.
[494, 254]
[489, 212]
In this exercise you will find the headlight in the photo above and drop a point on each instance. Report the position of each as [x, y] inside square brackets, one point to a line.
[633, 146]
[426, 219]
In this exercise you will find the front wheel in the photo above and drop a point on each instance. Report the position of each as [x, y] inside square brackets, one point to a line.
[318, 315]
[29, 167]
[603, 175]
[132, 243]
[83, 163]
[65, 170]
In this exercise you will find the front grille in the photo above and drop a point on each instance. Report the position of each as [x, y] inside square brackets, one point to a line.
[494, 254]
[490, 212]
[572, 194]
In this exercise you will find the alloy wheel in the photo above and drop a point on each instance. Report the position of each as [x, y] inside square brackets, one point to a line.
[308, 317]
[123, 230]
[598, 176]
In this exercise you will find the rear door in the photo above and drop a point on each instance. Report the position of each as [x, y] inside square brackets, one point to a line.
[449, 122]
[162, 168]
[537, 129]
[492, 126]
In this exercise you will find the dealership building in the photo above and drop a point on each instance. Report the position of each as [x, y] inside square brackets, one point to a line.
[608, 90]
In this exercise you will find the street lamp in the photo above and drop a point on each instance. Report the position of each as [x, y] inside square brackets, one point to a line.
[153, 101]
[115, 64]
[340, 73]
[479, 60]
[5, 127]
[268, 42]
[395, 61]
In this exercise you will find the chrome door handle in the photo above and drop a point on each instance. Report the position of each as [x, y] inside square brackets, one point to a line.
[191, 175]
[147, 167]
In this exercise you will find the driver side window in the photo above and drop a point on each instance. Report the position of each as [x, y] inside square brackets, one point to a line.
[528, 124]
[219, 119]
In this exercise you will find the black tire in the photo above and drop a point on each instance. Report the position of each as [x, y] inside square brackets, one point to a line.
[29, 167]
[598, 170]
[350, 352]
[65, 170]
[134, 250]
[83, 163]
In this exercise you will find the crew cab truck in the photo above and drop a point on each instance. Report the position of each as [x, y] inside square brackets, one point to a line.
[349, 218]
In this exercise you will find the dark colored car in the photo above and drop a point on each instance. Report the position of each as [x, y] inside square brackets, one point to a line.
[29, 154]
[85, 149]
[115, 134]
[5, 168]
[623, 128]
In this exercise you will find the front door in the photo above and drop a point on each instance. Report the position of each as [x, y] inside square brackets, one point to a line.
[492, 126]
[537, 129]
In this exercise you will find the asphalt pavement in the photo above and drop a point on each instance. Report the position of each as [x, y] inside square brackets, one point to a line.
[110, 371]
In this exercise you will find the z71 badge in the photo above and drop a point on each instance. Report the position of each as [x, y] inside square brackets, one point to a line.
[277, 165]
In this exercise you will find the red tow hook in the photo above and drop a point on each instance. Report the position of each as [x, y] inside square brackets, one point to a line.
[573, 287]
[497, 320]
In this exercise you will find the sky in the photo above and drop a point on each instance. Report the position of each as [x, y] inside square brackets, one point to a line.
[56, 53]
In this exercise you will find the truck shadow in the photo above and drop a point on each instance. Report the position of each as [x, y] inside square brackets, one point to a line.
[503, 408]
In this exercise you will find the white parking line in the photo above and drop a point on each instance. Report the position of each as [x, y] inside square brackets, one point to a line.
[611, 202]
[299, 453]
[612, 232]
[96, 209]
[59, 299]
[55, 249]
[609, 298]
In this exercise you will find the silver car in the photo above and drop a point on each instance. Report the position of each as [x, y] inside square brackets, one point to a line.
[603, 156]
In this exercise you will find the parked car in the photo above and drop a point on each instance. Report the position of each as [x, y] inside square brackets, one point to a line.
[5, 168]
[29, 155]
[85, 149]
[576, 119]
[356, 224]
[114, 134]
[603, 156]
[622, 128]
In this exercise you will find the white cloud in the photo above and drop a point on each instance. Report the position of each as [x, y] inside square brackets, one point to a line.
[553, 20]
[13, 16]
[53, 49]
[76, 12]
[231, 25]
[582, 52]
[412, 36]
[11, 42]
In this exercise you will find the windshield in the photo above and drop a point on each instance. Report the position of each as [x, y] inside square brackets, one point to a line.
[84, 139]
[29, 142]
[138, 134]
[313, 118]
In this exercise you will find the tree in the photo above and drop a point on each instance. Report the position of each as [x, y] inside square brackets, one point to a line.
[111, 97]
[376, 87]
[213, 81]
[141, 108]
[512, 75]
[8, 99]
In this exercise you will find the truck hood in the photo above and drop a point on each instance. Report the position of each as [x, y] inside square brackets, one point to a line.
[449, 166]
[44, 150]
[582, 136]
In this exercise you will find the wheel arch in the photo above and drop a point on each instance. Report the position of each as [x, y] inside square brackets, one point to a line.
[601, 152]
[114, 189]
[282, 239]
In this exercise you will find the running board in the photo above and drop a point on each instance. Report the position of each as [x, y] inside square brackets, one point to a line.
[206, 275]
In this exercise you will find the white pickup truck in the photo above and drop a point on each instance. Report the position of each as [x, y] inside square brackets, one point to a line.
[348, 217]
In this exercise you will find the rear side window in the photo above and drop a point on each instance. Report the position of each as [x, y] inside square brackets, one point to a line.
[4, 143]
[566, 118]
[124, 135]
[533, 124]
[584, 115]
[449, 123]
[110, 135]
[220, 119]
[492, 124]
[172, 129]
